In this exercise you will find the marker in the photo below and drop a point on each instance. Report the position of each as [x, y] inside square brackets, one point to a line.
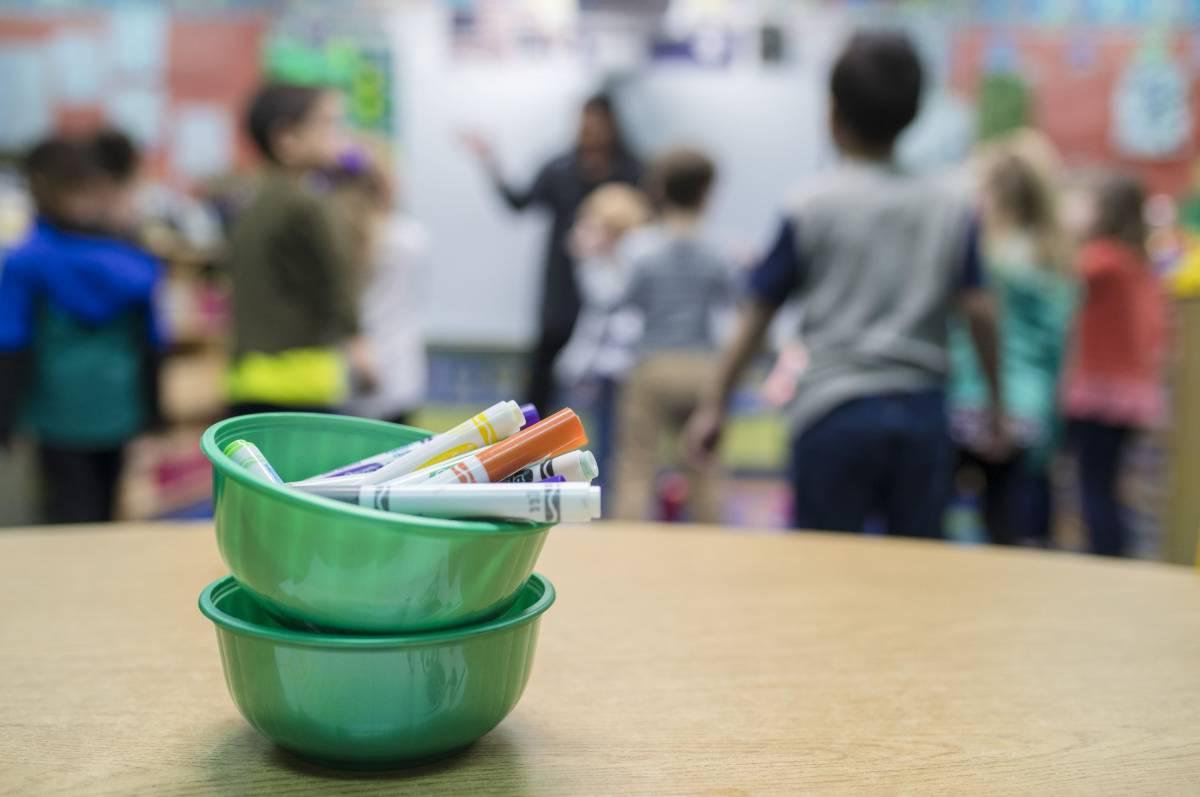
[543, 503]
[376, 462]
[488, 427]
[559, 433]
[574, 466]
[530, 413]
[551, 480]
[247, 455]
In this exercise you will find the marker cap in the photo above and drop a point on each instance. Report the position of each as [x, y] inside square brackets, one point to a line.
[588, 464]
[510, 416]
[531, 415]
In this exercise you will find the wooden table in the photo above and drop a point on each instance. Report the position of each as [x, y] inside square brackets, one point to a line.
[675, 662]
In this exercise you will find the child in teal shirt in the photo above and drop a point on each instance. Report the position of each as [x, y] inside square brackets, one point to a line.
[1026, 264]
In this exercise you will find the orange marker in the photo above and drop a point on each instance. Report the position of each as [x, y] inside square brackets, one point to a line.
[558, 434]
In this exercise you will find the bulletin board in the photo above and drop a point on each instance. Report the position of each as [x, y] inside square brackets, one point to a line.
[1072, 78]
[154, 74]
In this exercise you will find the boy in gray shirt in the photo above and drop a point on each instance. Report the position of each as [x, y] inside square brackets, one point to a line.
[677, 283]
[880, 261]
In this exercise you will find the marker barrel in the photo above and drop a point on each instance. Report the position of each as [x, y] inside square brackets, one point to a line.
[541, 503]
[365, 466]
[574, 466]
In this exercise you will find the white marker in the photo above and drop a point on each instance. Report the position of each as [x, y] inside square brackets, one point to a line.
[574, 466]
[543, 503]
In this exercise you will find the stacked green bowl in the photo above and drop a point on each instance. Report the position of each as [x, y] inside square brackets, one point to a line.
[356, 637]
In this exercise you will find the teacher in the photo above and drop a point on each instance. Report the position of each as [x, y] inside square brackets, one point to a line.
[599, 156]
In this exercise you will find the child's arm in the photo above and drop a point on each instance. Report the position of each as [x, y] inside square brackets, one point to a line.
[979, 309]
[771, 283]
[309, 244]
[707, 422]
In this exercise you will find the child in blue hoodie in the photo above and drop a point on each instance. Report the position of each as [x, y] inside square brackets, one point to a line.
[78, 335]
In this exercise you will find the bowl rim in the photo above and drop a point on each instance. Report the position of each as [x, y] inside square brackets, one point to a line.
[394, 521]
[223, 620]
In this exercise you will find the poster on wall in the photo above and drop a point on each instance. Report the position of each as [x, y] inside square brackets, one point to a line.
[1004, 94]
[1151, 107]
[362, 70]
[23, 96]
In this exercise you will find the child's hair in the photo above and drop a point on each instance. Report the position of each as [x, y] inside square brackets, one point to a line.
[55, 166]
[876, 87]
[278, 107]
[616, 207]
[1023, 200]
[681, 178]
[115, 154]
[1119, 212]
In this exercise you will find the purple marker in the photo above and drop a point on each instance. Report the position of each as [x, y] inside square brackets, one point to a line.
[531, 414]
[553, 480]
[364, 466]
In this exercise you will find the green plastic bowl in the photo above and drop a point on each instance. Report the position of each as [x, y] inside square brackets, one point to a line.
[374, 701]
[330, 565]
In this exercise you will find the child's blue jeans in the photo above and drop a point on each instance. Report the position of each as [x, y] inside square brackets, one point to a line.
[886, 457]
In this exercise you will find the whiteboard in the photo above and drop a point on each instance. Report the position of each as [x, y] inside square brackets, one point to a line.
[765, 127]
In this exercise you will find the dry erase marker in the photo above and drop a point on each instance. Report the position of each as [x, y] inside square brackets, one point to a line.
[561, 432]
[542, 503]
[530, 412]
[574, 466]
[551, 480]
[246, 454]
[494, 424]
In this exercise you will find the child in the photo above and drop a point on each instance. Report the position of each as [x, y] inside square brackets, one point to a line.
[77, 331]
[879, 259]
[600, 351]
[1025, 258]
[1112, 386]
[677, 284]
[388, 249]
[295, 315]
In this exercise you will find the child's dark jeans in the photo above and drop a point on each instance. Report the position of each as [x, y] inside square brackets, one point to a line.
[885, 456]
[1099, 449]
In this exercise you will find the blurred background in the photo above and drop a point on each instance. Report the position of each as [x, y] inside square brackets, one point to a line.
[430, 85]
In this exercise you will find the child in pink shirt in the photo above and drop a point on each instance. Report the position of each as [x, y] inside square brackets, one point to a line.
[1113, 381]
